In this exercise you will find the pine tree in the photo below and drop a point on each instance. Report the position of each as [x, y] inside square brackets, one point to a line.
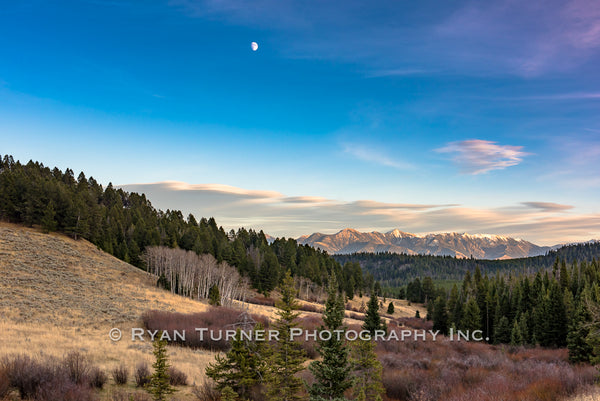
[48, 220]
[367, 371]
[417, 314]
[214, 298]
[288, 356]
[159, 385]
[577, 340]
[440, 315]
[390, 309]
[516, 337]
[372, 319]
[557, 319]
[472, 317]
[502, 331]
[242, 367]
[332, 373]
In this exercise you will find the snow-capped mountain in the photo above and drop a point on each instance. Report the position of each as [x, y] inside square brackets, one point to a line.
[480, 246]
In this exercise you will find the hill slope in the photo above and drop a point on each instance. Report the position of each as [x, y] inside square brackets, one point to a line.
[52, 278]
[447, 244]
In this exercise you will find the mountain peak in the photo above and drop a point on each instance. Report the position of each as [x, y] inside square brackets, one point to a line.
[482, 246]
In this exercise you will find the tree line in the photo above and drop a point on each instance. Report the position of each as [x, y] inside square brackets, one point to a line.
[395, 270]
[557, 307]
[125, 224]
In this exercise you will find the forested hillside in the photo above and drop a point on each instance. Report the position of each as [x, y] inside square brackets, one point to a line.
[125, 224]
[394, 270]
[555, 308]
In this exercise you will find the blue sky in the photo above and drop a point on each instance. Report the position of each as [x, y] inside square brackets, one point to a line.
[447, 116]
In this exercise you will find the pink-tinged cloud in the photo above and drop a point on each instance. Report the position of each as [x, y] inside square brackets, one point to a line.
[477, 156]
[544, 223]
[547, 206]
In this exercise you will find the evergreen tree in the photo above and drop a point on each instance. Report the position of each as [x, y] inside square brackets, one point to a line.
[367, 371]
[159, 385]
[242, 367]
[472, 317]
[454, 307]
[390, 309]
[440, 315]
[372, 319]
[557, 319]
[516, 337]
[502, 331]
[48, 220]
[417, 314]
[227, 394]
[214, 298]
[577, 340]
[332, 373]
[288, 356]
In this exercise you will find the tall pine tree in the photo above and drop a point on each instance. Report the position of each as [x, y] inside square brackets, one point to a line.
[288, 356]
[332, 373]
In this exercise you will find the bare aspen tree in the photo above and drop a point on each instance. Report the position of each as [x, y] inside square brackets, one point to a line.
[193, 275]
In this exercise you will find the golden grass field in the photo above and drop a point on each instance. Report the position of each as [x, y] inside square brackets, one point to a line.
[59, 295]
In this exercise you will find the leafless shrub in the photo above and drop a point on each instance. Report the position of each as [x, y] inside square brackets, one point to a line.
[77, 367]
[261, 301]
[97, 378]
[309, 308]
[120, 374]
[177, 377]
[142, 374]
[206, 392]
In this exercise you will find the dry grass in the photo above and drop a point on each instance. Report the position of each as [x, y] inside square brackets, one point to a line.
[58, 295]
[401, 306]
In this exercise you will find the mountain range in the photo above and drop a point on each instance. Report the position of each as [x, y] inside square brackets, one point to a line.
[462, 245]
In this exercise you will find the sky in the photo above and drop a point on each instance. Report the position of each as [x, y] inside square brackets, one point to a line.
[465, 116]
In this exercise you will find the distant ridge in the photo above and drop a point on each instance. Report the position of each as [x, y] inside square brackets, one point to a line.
[461, 245]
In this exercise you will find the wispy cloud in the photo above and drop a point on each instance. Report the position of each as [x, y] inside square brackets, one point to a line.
[282, 215]
[369, 154]
[529, 38]
[477, 156]
[547, 206]
[499, 37]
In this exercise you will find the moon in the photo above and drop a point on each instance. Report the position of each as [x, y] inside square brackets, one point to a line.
[254, 46]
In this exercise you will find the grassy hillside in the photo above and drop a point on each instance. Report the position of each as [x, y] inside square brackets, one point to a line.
[58, 295]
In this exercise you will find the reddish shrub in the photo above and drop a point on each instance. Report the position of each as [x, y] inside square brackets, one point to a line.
[310, 308]
[216, 319]
[177, 377]
[44, 380]
[61, 388]
[262, 301]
